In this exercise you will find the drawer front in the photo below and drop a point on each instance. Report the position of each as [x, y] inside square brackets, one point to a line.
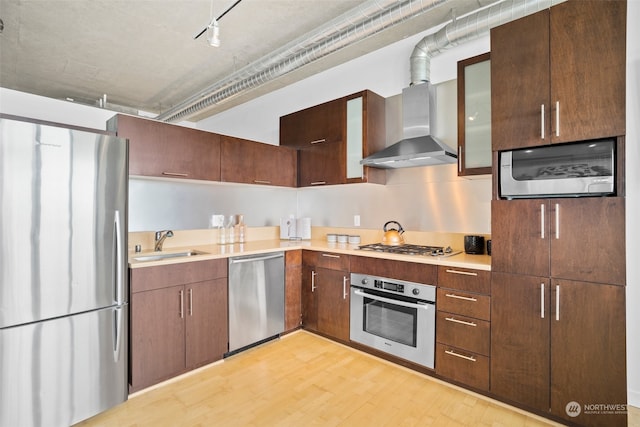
[465, 279]
[463, 332]
[465, 303]
[330, 260]
[462, 366]
[148, 278]
[403, 270]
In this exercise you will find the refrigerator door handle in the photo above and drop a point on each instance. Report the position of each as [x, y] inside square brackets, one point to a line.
[117, 325]
[119, 282]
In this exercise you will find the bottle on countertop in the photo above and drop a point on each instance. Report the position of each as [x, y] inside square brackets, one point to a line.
[241, 229]
[217, 222]
[230, 229]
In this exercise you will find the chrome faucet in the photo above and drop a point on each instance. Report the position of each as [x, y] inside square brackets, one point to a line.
[160, 236]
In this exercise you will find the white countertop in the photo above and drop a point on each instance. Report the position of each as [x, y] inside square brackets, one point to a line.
[462, 260]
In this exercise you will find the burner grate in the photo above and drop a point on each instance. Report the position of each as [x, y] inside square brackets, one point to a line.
[407, 249]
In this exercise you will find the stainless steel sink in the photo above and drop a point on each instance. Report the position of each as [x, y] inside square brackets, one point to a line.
[161, 256]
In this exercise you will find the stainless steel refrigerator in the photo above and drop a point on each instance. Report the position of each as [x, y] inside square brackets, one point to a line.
[63, 275]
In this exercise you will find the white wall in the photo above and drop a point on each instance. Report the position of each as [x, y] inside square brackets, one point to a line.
[633, 202]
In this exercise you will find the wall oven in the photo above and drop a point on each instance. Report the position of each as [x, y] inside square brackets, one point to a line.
[394, 316]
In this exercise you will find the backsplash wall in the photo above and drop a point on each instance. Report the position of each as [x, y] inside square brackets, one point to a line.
[421, 199]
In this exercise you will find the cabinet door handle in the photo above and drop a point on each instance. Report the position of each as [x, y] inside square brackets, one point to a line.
[453, 319]
[318, 141]
[557, 221]
[557, 118]
[459, 158]
[542, 221]
[184, 175]
[181, 304]
[462, 356]
[542, 121]
[261, 181]
[461, 297]
[331, 256]
[466, 273]
[557, 302]
[313, 281]
[319, 183]
[344, 287]
[542, 300]
[190, 302]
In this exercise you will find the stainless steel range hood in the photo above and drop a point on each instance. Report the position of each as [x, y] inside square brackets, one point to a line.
[418, 147]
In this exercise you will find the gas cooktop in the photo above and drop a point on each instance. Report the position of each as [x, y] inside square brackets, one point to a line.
[410, 249]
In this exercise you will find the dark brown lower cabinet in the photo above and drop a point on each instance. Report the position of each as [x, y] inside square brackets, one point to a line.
[333, 302]
[588, 352]
[558, 346]
[520, 339]
[157, 337]
[176, 327]
[293, 290]
[325, 294]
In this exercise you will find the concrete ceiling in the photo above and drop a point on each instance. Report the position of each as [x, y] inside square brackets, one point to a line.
[142, 54]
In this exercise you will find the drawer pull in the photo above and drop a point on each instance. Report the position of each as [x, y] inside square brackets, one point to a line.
[461, 297]
[466, 273]
[451, 319]
[318, 141]
[184, 175]
[331, 255]
[319, 183]
[461, 356]
[261, 181]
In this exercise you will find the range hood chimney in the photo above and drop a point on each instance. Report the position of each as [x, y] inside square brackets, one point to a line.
[418, 147]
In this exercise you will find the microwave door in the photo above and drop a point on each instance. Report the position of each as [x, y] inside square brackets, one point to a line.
[567, 170]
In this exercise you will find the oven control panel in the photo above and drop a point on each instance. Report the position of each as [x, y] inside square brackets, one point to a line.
[388, 286]
[394, 286]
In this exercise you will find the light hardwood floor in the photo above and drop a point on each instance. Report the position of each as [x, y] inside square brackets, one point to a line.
[306, 380]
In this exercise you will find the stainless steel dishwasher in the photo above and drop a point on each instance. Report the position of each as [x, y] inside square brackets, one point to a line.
[256, 299]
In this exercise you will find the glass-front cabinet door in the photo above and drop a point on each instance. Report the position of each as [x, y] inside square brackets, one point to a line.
[355, 137]
[474, 116]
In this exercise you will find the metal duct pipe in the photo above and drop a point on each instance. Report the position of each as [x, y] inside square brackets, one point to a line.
[468, 28]
[355, 25]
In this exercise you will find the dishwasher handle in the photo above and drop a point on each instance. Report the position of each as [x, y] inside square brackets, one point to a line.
[257, 258]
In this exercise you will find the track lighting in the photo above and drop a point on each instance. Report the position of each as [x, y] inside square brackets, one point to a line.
[212, 30]
[213, 33]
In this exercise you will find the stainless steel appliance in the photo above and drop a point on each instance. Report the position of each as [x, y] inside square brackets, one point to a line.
[408, 249]
[418, 147]
[63, 276]
[256, 299]
[559, 170]
[394, 316]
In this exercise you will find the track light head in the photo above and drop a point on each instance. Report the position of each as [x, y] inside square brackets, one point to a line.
[213, 33]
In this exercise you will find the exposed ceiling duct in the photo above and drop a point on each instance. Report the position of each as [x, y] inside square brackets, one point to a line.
[470, 27]
[357, 24]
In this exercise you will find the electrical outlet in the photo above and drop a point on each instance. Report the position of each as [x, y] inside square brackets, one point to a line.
[356, 220]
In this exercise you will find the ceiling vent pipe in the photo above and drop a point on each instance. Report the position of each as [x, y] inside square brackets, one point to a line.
[363, 21]
[360, 22]
[469, 27]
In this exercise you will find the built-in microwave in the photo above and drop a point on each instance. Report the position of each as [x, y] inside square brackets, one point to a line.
[559, 170]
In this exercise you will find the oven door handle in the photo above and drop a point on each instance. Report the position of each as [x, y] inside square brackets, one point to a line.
[425, 306]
